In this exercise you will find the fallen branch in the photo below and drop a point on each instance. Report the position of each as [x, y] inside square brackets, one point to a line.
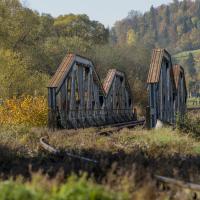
[47, 147]
[54, 151]
[178, 183]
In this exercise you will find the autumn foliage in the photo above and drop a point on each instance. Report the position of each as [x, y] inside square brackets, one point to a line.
[26, 110]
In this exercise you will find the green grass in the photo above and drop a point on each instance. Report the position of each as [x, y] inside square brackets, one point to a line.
[74, 189]
[183, 55]
[193, 102]
[166, 141]
[181, 58]
[25, 141]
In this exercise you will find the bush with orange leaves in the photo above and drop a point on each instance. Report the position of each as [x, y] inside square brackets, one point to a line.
[25, 110]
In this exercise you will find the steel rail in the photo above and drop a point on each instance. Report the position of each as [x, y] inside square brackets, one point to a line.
[193, 108]
[178, 183]
[123, 123]
[118, 127]
[54, 151]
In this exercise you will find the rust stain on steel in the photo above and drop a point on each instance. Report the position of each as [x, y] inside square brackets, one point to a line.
[177, 72]
[110, 77]
[60, 73]
[66, 66]
[156, 61]
[108, 80]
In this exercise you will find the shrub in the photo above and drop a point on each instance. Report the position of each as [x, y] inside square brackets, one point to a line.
[15, 191]
[26, 110]
[81, 189]
[74, 189]
[190, 123]
[16, 78]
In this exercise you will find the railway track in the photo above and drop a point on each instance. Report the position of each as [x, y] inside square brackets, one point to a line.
[116, 127]
[178, 183]
[193, 109]
[46, 146]
[113, 128]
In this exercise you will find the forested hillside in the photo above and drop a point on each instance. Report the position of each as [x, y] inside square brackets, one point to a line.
[191, 62]
[175, 26]
[32, 45]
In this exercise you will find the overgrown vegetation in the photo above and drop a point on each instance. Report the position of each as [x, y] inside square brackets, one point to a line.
[190, 61]
[190, 123]
[193, 102]
[127, 162]
[33, 45]
[25, 110]
[74, 189]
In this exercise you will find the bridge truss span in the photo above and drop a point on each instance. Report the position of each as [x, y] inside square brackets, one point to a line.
[77, 99]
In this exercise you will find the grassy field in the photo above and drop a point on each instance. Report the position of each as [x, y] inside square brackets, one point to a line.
[193, 102]
[127, 162]
[184, 54]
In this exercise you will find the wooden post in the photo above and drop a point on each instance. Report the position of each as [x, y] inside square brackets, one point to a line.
[148, 118]
[72, 98]
[52, 121]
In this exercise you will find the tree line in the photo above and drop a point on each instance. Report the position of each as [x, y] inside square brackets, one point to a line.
[32, 45]
[175, 26]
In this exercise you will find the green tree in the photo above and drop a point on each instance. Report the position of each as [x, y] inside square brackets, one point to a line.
[16, 79]
[167, 16]
[131, 37]
[165, 26]
[190, 63]
[81, 26]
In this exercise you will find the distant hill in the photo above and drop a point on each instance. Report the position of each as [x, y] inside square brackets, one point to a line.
[175, 26]
[184, 55]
